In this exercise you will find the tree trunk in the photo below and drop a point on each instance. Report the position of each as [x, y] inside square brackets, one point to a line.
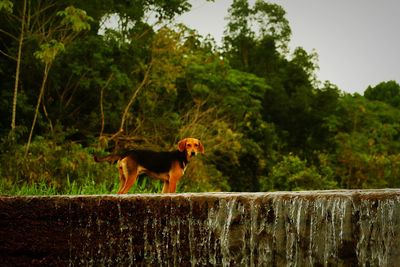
[21, 40]
[139, 88]
[46, 73]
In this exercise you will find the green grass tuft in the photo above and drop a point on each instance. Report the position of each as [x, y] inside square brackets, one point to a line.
[88, 187]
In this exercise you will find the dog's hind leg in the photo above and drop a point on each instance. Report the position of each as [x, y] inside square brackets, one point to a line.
[131, 172]
[122, 176]
[172, 187]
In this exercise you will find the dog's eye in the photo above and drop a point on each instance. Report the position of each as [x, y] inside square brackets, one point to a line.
[196, 145]
[189, 145]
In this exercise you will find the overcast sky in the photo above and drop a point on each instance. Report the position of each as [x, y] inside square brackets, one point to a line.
[357, 41]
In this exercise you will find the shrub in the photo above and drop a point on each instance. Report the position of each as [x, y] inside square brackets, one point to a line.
[53, 165]
[292, 173]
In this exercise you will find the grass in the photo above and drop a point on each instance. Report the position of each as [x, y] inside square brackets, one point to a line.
[88, 187]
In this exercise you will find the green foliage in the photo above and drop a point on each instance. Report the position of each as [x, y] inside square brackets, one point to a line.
[56, 163]
[292, 173]
[75, 18]
[268, 18]
[388, 92]
[367, 143]
[49, 51]
[6, 5]
[272, 22]
[255, 34]
[202, 177]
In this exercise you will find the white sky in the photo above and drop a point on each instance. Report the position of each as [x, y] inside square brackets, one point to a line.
[357, 41]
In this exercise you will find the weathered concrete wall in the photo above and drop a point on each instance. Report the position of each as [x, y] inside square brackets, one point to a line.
[319, 228]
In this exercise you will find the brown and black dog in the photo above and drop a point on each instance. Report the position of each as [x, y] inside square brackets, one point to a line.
[167, 166]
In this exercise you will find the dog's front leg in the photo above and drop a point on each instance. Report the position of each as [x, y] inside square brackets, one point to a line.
[175, 175]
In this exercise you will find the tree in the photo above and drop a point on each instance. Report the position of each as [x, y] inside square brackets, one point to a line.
[256, 41]
[264, 25]
[367, 143]
[238, 139]
[55, 38]
[388, 92]
[39, 19]
[17, 71]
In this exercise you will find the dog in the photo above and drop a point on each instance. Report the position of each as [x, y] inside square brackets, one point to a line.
[168, 166]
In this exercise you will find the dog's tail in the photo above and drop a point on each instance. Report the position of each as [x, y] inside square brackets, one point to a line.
[109, 158]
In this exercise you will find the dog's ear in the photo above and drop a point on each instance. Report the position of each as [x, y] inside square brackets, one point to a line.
[182, 145]
[201, 148]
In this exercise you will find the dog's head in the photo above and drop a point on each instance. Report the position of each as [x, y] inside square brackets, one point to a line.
[192, 146]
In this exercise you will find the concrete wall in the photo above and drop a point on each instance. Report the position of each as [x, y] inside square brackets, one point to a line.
[317, 228]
